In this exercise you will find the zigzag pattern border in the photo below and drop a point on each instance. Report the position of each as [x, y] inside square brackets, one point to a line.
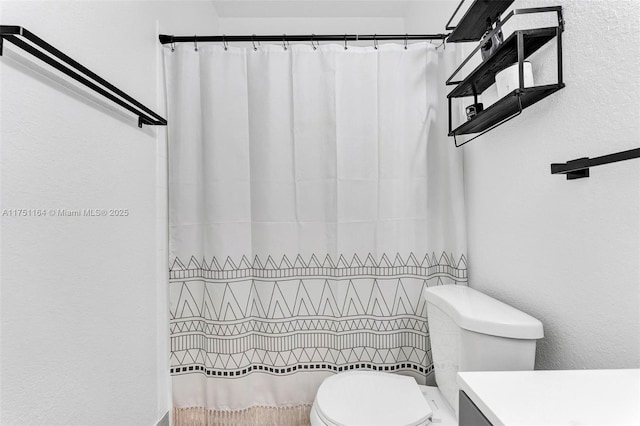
[229, 309]
[207, 337]
[429, 266]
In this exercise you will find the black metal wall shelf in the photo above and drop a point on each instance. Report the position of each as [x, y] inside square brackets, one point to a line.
[472, 25]
[505, 108]
[63, 63]
[576, 169]
[514, 50]
[507, 54]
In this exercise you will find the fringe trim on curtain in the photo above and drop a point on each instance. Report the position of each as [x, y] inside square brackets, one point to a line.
[254, 416]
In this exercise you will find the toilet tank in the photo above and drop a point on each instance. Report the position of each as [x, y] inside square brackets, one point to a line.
[470, 331]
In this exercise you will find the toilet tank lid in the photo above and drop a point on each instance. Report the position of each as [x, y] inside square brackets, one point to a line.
[475, 311]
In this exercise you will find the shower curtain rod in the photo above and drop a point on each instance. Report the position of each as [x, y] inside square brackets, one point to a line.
[168, 39]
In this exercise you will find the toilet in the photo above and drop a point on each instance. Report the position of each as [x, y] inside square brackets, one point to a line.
[469, 331]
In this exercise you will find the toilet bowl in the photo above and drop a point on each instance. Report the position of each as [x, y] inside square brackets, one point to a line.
[469, 331]
[369, 398]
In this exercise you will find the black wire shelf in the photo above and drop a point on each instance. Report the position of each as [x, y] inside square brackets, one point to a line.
[42, 50]
[514, 50]
[484, 75]
[505, 108]
[472, 25]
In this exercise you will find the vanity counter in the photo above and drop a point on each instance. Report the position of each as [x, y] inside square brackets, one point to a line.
[555, 397]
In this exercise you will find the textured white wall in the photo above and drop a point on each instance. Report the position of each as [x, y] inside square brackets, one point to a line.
[567, 252]
[83, 300]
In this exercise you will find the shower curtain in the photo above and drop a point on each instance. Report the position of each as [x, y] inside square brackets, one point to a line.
[313, 196]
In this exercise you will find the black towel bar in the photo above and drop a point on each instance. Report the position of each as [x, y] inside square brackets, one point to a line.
[76, 71]
[579, 168]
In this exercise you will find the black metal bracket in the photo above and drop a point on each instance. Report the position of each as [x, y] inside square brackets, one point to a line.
[448, 26]
[579, 168]
[63, 63]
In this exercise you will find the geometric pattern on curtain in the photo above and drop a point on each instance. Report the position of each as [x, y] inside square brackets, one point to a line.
[312, 199]
[231, 318]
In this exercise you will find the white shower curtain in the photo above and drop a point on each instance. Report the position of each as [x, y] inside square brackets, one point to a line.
[313, 195]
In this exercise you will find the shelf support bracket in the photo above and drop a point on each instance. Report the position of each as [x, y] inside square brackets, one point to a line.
[577, 173]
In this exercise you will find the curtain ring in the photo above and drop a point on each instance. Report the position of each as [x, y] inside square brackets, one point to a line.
[313, 45]
[173, 45]
[406, 40]
[253, 42]
[195, 43]
[224, 42]
[284, 41]
[345, 42]
[375, 42]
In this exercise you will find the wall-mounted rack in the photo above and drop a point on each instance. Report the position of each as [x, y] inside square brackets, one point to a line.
[514, 50]
[579, 168]
[471, 26]
[63, 63]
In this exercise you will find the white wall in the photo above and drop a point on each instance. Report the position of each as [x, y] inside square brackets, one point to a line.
[334, 17]
[318, 25]
[429, 16]
[567, 252]
[83, 300]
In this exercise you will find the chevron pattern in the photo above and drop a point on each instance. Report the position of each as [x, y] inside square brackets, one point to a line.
[283, 317]
[430, 265]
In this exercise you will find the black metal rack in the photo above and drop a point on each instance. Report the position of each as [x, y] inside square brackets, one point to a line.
[472, 26]
[63, 63]
[515, 49]
[579, 168]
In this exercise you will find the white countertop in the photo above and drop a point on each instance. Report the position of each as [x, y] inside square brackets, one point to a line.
[555, 397]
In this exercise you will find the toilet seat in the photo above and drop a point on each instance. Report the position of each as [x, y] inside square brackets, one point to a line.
[368, 398]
